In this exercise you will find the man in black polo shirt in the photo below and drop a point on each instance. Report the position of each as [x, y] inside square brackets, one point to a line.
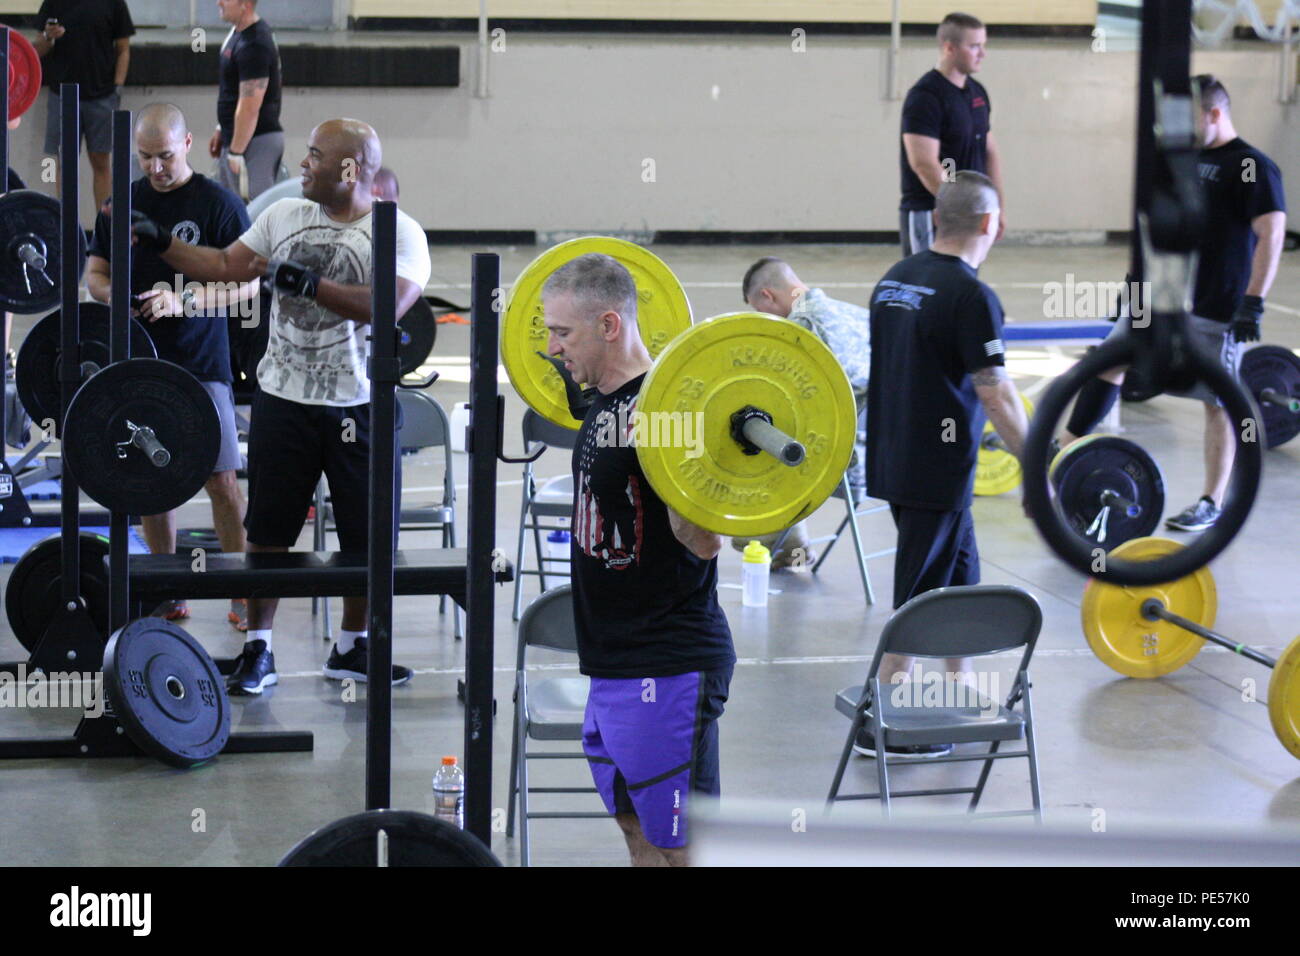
[937, 368]
[945, 128]
[86, 42]
[651, 634]
[186, 321]
[1238, 258]
[249, 141]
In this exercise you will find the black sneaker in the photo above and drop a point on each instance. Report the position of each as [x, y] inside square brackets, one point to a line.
[353, 664]
[866, 745]
[1198, 517]
[255, 671]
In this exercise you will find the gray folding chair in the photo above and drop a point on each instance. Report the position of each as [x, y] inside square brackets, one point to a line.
[550, 709]
[424, 425]
[542, 508]
[852, 512]
[973, 621]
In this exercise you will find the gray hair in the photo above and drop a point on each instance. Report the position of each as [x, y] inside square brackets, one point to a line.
[962, 203]
[598, 283]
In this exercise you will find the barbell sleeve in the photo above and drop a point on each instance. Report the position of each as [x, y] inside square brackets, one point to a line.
[145, 439]
[773, 441]
[1111, 499]
[1154, 609]
[31, 257]
[1290, 402]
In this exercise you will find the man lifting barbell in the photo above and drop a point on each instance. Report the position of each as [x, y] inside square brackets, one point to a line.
[651, 634]
[186, 321]
[1238, 260]
[770, 285]
[311, 413]
[937, 367]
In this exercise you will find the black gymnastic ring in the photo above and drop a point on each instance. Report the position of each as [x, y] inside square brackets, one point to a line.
[1079, 552]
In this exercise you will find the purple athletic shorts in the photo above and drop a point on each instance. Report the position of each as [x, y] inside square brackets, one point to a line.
[651, 741]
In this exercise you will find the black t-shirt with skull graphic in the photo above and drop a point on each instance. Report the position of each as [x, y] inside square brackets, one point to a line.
[644, 605]
[202, 213]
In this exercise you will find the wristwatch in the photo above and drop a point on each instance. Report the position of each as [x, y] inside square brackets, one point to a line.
[187, 299]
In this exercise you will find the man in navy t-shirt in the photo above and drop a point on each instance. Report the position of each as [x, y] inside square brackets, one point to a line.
[651, 634]
[945, 128]
[937, 368]
[187, 321]
[1240, 247]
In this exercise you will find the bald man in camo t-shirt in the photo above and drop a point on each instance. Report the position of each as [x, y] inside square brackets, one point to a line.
[311, 414]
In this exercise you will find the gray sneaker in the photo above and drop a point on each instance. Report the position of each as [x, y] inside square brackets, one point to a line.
[1198, 517]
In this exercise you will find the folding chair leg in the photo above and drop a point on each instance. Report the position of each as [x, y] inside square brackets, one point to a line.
[449, 530]
[882, 758]
[514, 773]
[1032, 747]
[852, 519]
[984, 776]
[538, 553]
[821, 558]
[318, 542]
[854, 726]
[524, 854]
[519, 554]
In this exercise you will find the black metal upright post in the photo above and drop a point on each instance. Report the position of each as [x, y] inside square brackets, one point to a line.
[4, 171]
[482, 507]
[119, 345]
[385, 371]
[70, 361]
[4, 111]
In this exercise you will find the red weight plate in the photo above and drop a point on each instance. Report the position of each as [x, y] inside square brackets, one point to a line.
[24, 74]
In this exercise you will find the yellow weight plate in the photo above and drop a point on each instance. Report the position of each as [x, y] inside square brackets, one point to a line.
[997, 470]
[1284, 698]
[717, 368]
[662, 312]
[1125, 640]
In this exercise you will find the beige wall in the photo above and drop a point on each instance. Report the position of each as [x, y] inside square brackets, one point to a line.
[744, 133]
[813, 11]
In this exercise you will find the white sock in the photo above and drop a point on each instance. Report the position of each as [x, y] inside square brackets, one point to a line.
[348, 640]
[264, 635]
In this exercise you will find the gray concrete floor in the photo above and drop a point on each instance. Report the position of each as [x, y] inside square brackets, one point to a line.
[1182, 749]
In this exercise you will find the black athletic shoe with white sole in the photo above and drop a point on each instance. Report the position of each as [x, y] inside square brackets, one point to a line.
[354, 665]
[1197, 517]
[255, 671]
[866, 746]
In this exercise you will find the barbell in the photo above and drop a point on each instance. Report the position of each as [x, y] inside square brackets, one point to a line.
[744, 424]
[1271, 374]
[30, 254]
[1152, 630]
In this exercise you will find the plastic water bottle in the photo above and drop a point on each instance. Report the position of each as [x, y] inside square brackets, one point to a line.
[449, 793]
[756, 565]
[557, 546]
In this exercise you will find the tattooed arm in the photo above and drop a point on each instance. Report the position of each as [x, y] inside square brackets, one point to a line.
[1002, 402]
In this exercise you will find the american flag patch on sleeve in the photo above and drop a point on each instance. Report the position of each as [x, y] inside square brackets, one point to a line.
[994, 347]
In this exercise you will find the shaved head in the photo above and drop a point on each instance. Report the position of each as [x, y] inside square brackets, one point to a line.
[343, 158]
[162, 146]
[160, 120]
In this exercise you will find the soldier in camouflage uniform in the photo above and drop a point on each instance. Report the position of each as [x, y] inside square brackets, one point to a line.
[770, 285]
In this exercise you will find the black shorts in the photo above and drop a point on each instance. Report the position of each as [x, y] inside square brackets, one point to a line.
[290, 445]
[936, 549]
[915, 230]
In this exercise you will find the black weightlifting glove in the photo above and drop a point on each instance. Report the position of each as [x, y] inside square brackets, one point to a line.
[1246, 320]
[579, 399]
[149, 234]
[292, 277]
